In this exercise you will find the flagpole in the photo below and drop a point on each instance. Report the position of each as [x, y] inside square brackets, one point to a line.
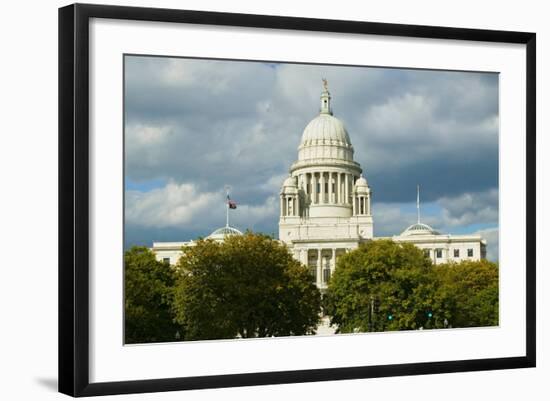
[227, 206]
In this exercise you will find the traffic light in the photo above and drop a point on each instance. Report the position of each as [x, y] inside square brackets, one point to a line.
[390, 317]
[429, 314]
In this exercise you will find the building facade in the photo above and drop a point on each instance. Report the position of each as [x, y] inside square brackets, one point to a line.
[443, 248]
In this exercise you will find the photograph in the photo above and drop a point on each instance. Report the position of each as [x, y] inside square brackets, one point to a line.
[269, 199]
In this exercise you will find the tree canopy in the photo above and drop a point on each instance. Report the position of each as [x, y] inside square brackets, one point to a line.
[246, 286]
[148, 287]
[467, 293]
[384, 286]
[379, 286]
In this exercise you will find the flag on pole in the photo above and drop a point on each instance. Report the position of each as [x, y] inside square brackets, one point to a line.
[232, 204]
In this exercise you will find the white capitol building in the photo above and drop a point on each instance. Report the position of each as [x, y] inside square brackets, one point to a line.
[325, 207]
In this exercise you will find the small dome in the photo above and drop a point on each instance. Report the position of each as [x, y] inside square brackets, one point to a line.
[325, 129]
[289, 182]
[361, 184]
[221, 233]
[419, 229]
[289, 186]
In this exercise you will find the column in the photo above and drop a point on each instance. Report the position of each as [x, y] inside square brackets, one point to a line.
[338, 188]
[319, 269]
[313, 188]
[354, 205]
[282, 206]
[303, 257]
[322, 191]
[346, 188]
[297, 210]
[329, 189]
[332, 188]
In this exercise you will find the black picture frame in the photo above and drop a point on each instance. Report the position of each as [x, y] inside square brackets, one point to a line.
[74, 198]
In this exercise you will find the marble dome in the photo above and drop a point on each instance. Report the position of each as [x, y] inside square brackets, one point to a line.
[325, 129]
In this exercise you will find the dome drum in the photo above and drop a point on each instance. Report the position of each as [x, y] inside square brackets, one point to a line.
[316, 165]
[330, 211]
[325, 151]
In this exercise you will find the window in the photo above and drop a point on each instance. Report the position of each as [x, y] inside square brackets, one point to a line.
[166, 260]
[313, 272]
[426, 253]
[470, 252]
[326, 275]
[438, 253]
[457, 253]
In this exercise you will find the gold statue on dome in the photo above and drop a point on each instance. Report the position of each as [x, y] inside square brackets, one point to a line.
[325, 84]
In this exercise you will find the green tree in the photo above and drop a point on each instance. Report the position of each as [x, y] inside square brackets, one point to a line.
[467, 293]
[384, 286]
[247, 286]
[148, 287]
[380, 286]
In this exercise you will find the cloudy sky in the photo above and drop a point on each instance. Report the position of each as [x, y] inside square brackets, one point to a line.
[194, 126]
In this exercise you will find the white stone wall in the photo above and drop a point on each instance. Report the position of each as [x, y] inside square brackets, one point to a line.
[169, 250]
[447, 244]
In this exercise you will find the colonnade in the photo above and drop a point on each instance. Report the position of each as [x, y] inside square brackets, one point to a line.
[290, 205]
[327, 187]
[361, 205]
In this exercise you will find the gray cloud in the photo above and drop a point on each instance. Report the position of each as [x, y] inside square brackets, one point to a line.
[471, 208]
